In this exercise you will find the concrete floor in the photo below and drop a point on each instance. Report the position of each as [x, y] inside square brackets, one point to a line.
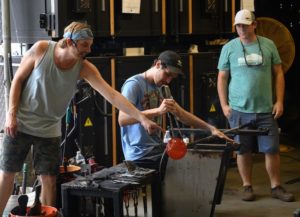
[264, 205]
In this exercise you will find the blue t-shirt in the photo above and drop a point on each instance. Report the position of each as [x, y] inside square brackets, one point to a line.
[250, 86]
[136, 142]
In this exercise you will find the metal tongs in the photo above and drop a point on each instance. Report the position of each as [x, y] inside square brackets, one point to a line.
[166, 94]
[235, 131]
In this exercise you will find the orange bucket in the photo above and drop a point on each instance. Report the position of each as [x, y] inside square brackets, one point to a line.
[47, 211]
[69, 169]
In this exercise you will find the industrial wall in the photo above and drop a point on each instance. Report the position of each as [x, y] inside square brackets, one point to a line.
[157, 25]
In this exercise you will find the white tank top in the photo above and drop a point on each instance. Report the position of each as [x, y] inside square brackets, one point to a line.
[45, 96]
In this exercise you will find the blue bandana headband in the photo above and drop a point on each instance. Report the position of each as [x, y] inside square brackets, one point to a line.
[85, 33]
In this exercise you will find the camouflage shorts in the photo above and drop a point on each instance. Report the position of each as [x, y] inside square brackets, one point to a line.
[13, 153]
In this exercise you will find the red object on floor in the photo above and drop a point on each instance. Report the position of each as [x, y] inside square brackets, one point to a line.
[47, 211]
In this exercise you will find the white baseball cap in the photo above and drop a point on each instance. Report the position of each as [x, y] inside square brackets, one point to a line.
[244, 17]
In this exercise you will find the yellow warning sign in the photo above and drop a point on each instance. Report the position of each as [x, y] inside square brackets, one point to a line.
[212, 108]
[88, 122]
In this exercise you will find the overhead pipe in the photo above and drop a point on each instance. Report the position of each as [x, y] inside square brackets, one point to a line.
[6, 36]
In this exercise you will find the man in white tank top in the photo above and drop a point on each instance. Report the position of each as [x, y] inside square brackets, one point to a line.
[40, 92]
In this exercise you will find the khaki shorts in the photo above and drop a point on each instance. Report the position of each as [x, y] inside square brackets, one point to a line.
[13, 153]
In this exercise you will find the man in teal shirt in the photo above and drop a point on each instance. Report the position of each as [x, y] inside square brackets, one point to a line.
[248, 66]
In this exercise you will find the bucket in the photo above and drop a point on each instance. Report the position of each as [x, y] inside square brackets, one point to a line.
[47, 211]
[13, 201]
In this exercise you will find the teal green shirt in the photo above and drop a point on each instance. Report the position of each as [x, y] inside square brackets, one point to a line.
[250, 87]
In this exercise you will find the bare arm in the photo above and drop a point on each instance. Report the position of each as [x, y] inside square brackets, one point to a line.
[91, 74]
[222, 86]
[279, 83]
[29, 61]
[190, 119]
[125, 119]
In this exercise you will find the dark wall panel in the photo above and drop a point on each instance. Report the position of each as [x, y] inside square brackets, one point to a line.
[94, 118]
[146, 23]
[93, 12]
[206, 100]
[288, 13]
[208, 16]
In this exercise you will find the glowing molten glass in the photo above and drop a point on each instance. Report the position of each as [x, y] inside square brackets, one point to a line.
[176, 148]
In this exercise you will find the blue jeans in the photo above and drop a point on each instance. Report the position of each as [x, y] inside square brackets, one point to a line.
[266, 143]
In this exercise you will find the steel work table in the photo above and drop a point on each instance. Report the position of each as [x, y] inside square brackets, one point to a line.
[102, 185]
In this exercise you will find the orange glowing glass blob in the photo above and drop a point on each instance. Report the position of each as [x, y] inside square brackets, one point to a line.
[176, 148]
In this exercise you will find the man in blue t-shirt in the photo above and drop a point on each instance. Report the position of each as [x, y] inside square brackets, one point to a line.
[143, 91]
[247, 67]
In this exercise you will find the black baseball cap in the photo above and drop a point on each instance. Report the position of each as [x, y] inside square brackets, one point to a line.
[172, 61]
